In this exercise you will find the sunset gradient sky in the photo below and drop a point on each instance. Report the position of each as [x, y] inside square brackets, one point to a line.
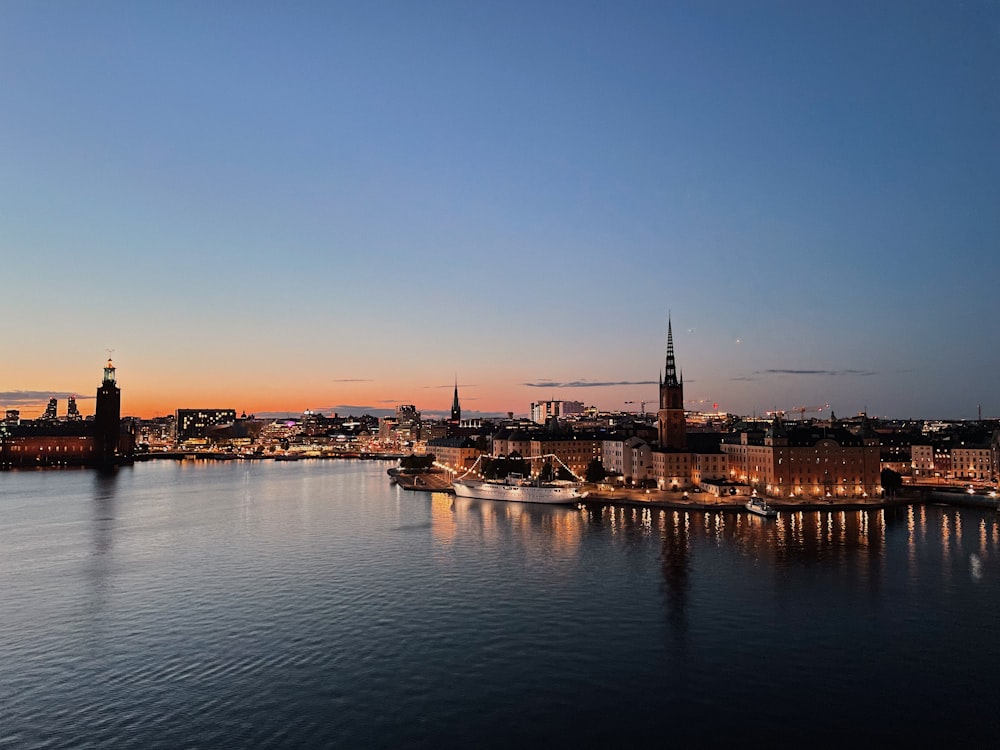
[347, 206]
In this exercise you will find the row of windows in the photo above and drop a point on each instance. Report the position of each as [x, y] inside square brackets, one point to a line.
[52, 449]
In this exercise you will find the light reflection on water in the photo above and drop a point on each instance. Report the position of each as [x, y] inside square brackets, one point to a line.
[311, 603]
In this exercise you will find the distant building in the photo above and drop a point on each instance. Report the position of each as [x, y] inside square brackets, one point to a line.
[49, 414]
[543, 411]
[407, 422]
[194, 423]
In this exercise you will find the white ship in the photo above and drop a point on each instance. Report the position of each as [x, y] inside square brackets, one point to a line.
[517, 489]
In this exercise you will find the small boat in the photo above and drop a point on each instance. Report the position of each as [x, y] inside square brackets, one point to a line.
[759, 506]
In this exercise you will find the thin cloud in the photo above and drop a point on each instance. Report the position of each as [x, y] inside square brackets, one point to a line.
[34, 397]
[588, 383]
[452, 385]
[861, 373]
[352, 380]
[466, 414]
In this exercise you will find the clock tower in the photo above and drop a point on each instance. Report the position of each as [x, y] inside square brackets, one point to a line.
[107, 418]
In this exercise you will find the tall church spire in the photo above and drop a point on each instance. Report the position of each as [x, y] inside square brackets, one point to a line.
[670, 418]
[671, 365]
[456, 410]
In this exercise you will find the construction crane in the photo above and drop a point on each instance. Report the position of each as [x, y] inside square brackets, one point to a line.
[800, 410]
[642, 406]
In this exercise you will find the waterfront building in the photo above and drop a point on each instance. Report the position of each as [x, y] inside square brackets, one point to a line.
[194, 423]
[995, 457]
[672, 469]
[104, 441]
[628, 457]
[575, 450]
[107, 417]
[971, 463]
[805, 461]
[506, 441]
[156, 433]
[709, 466]
[456, 454]
[922, 460]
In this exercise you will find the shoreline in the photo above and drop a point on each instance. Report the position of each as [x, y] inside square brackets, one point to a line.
[668, 499]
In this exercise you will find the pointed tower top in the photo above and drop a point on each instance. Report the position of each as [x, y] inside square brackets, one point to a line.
[456, 410]
[671, 378]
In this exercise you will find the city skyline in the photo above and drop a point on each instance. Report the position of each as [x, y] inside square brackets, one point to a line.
[335, 207]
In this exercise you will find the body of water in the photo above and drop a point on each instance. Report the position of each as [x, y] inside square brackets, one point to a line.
[313, 604]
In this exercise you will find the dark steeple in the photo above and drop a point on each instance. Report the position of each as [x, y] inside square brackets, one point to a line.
[671, 418]
[671, 365]
[456, 410]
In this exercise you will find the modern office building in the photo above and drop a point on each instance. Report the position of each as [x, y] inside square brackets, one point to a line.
[194, 423]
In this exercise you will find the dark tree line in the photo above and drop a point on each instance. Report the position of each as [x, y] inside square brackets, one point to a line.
[416, 463]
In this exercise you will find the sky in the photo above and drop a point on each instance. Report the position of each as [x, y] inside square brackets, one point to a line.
[347, 206]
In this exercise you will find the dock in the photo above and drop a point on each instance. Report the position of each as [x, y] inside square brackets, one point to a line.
[425, 482]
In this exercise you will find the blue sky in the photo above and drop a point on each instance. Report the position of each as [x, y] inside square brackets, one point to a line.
[306, 205]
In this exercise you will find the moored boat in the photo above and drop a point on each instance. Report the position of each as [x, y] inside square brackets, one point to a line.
[520, 490]
[759, 506]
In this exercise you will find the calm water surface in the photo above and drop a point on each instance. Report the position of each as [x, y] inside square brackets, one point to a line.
[312, 604]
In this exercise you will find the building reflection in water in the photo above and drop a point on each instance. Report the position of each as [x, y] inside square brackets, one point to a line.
[848, 543]
[675, 557]
[99, 567]
[548, 533]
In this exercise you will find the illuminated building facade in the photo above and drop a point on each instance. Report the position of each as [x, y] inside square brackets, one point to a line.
[806, 461]
[574, 450]
[456, 454]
